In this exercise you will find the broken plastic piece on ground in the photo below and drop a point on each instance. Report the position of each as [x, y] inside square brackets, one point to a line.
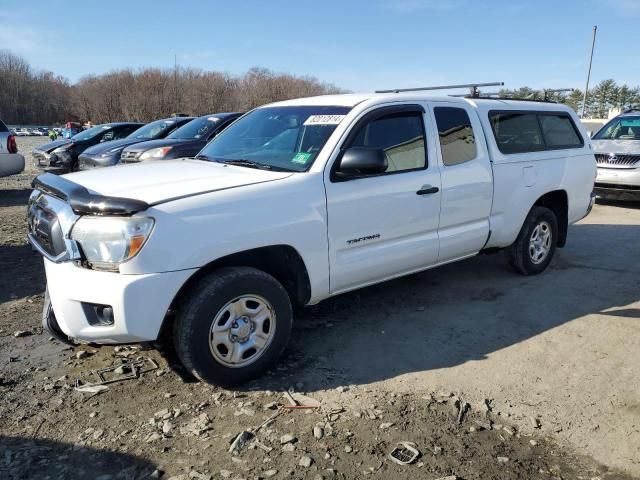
[240, 441]
[95, 389]
[130, 368]
[405, 453]
[299, 401]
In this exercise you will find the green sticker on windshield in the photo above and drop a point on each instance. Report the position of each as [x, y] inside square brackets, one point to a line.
[301, 157]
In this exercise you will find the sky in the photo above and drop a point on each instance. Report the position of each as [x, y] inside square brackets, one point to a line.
[357, 45]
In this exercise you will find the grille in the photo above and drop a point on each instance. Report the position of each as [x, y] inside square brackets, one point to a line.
[617, 159]
[44, 228]
[129, 157]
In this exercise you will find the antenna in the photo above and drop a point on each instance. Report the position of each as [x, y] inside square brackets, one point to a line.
[474, 88]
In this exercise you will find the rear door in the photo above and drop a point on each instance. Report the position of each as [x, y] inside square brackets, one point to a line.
[385, 225]
[467, 180]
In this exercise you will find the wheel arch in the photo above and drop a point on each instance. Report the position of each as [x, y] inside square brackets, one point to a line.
[283, 262]
[558, 202]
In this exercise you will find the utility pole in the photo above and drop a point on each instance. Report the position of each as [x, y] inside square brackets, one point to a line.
[586, 89]
[175, 84]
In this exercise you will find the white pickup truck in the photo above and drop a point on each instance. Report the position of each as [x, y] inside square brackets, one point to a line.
[296, 202]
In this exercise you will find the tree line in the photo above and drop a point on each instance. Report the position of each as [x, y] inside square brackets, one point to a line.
[28, 96]
[603, 97]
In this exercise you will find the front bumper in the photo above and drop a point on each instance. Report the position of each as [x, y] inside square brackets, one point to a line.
[618, 183]
[89, 162]
[51, 162]
[139, 302]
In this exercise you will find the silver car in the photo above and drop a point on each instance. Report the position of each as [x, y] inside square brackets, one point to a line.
[617, 150]
[11, 162]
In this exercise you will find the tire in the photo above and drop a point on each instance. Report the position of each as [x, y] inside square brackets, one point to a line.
[227, 312]
[529, 259]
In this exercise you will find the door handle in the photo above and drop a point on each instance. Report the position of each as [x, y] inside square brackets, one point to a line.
[427, 190]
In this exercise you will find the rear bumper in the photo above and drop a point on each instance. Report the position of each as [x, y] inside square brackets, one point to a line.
[139, 303]
[11, 164]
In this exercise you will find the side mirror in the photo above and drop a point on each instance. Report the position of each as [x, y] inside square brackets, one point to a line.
[361, 161]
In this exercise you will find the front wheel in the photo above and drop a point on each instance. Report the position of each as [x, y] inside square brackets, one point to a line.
[533, 250]
[233, 325]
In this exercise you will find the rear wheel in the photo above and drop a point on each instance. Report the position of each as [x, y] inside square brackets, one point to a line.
[233, 325]
[533, 250]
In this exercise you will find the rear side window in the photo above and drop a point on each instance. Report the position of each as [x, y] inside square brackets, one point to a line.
[517, 132]
[521, 132]
[400, 136]
[456, 135]
[558, 131]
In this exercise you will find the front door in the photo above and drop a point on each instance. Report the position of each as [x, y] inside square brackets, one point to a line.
[385, 225]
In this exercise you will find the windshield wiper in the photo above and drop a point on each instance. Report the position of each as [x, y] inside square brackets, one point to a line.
[202, 156]
[247, 163]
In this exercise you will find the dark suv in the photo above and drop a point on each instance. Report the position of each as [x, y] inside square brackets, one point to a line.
[61, 156]
[108, 155]
[186, 141]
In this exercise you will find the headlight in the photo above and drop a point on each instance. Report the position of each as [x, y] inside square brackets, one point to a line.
[155, 153]
[61, 153]
[108, 241]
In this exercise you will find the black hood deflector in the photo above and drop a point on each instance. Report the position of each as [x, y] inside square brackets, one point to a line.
[82, 201]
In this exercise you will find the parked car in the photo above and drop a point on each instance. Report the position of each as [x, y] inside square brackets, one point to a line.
[62, 155]
[186, 141]
[37, 132]
[11, 162]
[296, 202]
[617, 149]
[22, 132]
[107, 155]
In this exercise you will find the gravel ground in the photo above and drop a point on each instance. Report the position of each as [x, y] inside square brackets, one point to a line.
[544, 368]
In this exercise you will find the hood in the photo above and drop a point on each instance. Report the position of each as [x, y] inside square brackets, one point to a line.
[106, 146]
[163, 142]
[157, 182]
[51, 146]
[616, 146]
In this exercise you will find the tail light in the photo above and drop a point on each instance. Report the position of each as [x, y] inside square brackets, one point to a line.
[12, 146]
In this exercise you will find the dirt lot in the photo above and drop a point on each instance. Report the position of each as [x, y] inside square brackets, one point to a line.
[548, 366]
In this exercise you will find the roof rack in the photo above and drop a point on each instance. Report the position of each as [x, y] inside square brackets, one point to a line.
[631, 110]
[474, 88]
[530, 98]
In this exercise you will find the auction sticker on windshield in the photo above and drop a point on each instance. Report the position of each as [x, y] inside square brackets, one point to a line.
[301, 157]
[324, 120]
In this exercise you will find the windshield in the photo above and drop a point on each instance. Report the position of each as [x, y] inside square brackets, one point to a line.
[198, 128]
[90, 133]
[279, 138]
[623, 128]
[153, 129]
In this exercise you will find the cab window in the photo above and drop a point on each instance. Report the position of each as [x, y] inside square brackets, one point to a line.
[400, 136]
[457, 142]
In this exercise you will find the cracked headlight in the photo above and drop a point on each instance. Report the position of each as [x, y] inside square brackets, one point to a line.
[62, 152]
[108, 241]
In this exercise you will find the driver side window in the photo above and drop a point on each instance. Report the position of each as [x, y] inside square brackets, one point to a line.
[108, 136]
[400, 136]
